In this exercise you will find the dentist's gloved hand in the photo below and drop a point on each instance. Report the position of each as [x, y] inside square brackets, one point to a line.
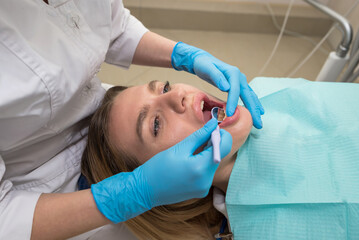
[226, 77]
[171, 176]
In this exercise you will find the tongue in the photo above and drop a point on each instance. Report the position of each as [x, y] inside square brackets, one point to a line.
[207, 115]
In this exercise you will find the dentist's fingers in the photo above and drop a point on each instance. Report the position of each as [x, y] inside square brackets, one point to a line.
[226, 143]
[250, 103]
[205, 158]
[258, 103]
[205, 163]
[198, 138]
[212, 74]
[235, 79]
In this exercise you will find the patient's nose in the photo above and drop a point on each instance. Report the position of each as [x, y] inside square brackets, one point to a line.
[175, 99]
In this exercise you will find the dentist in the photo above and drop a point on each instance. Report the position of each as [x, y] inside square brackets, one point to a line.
[50, 54]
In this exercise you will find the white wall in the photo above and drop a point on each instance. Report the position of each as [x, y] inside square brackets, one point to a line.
[297, 2]
[340, 6]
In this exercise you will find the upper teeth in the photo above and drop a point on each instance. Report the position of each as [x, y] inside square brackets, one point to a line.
[202, 104]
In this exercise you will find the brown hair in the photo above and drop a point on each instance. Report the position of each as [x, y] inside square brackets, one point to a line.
[193, 219]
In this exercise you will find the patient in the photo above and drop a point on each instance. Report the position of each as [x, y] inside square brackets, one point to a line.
[274, 165]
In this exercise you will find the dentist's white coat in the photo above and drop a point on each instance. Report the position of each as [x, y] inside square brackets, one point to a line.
[49, 57]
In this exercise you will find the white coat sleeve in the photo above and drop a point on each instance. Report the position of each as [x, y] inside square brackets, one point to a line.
[126, 33]
[16, 209]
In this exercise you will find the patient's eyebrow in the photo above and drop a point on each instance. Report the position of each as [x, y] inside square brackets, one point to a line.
[152, 86]
[140, 119]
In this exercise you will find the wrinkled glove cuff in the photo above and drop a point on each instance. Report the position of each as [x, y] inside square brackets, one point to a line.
[122, 196]
[183, 55]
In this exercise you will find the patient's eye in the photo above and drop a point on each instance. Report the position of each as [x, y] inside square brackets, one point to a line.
[156, 126]
[166, 87]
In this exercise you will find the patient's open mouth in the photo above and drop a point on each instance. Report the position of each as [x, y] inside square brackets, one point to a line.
[206, 107]
[203, 105]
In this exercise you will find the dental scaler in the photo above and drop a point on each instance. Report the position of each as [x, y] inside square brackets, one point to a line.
[217, 113]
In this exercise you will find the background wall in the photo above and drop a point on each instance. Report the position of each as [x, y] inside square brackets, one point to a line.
[229, 15]
[281, 1]
[340, 6]
[239, 32]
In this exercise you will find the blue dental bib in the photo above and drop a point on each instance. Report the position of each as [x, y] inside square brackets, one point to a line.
[298, 177]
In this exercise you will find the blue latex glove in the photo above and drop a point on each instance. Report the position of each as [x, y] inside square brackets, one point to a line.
[171, 176]
[226, 77]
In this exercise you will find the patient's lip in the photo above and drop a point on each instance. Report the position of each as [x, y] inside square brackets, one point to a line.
[230, 120]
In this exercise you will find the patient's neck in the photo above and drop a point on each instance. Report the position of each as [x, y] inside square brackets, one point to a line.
[221, 178]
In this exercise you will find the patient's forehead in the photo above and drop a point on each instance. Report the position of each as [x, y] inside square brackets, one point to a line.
[123, 116]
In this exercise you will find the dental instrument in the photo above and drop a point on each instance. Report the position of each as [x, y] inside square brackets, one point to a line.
[350, 74]
[337, 60]
[219, 114]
